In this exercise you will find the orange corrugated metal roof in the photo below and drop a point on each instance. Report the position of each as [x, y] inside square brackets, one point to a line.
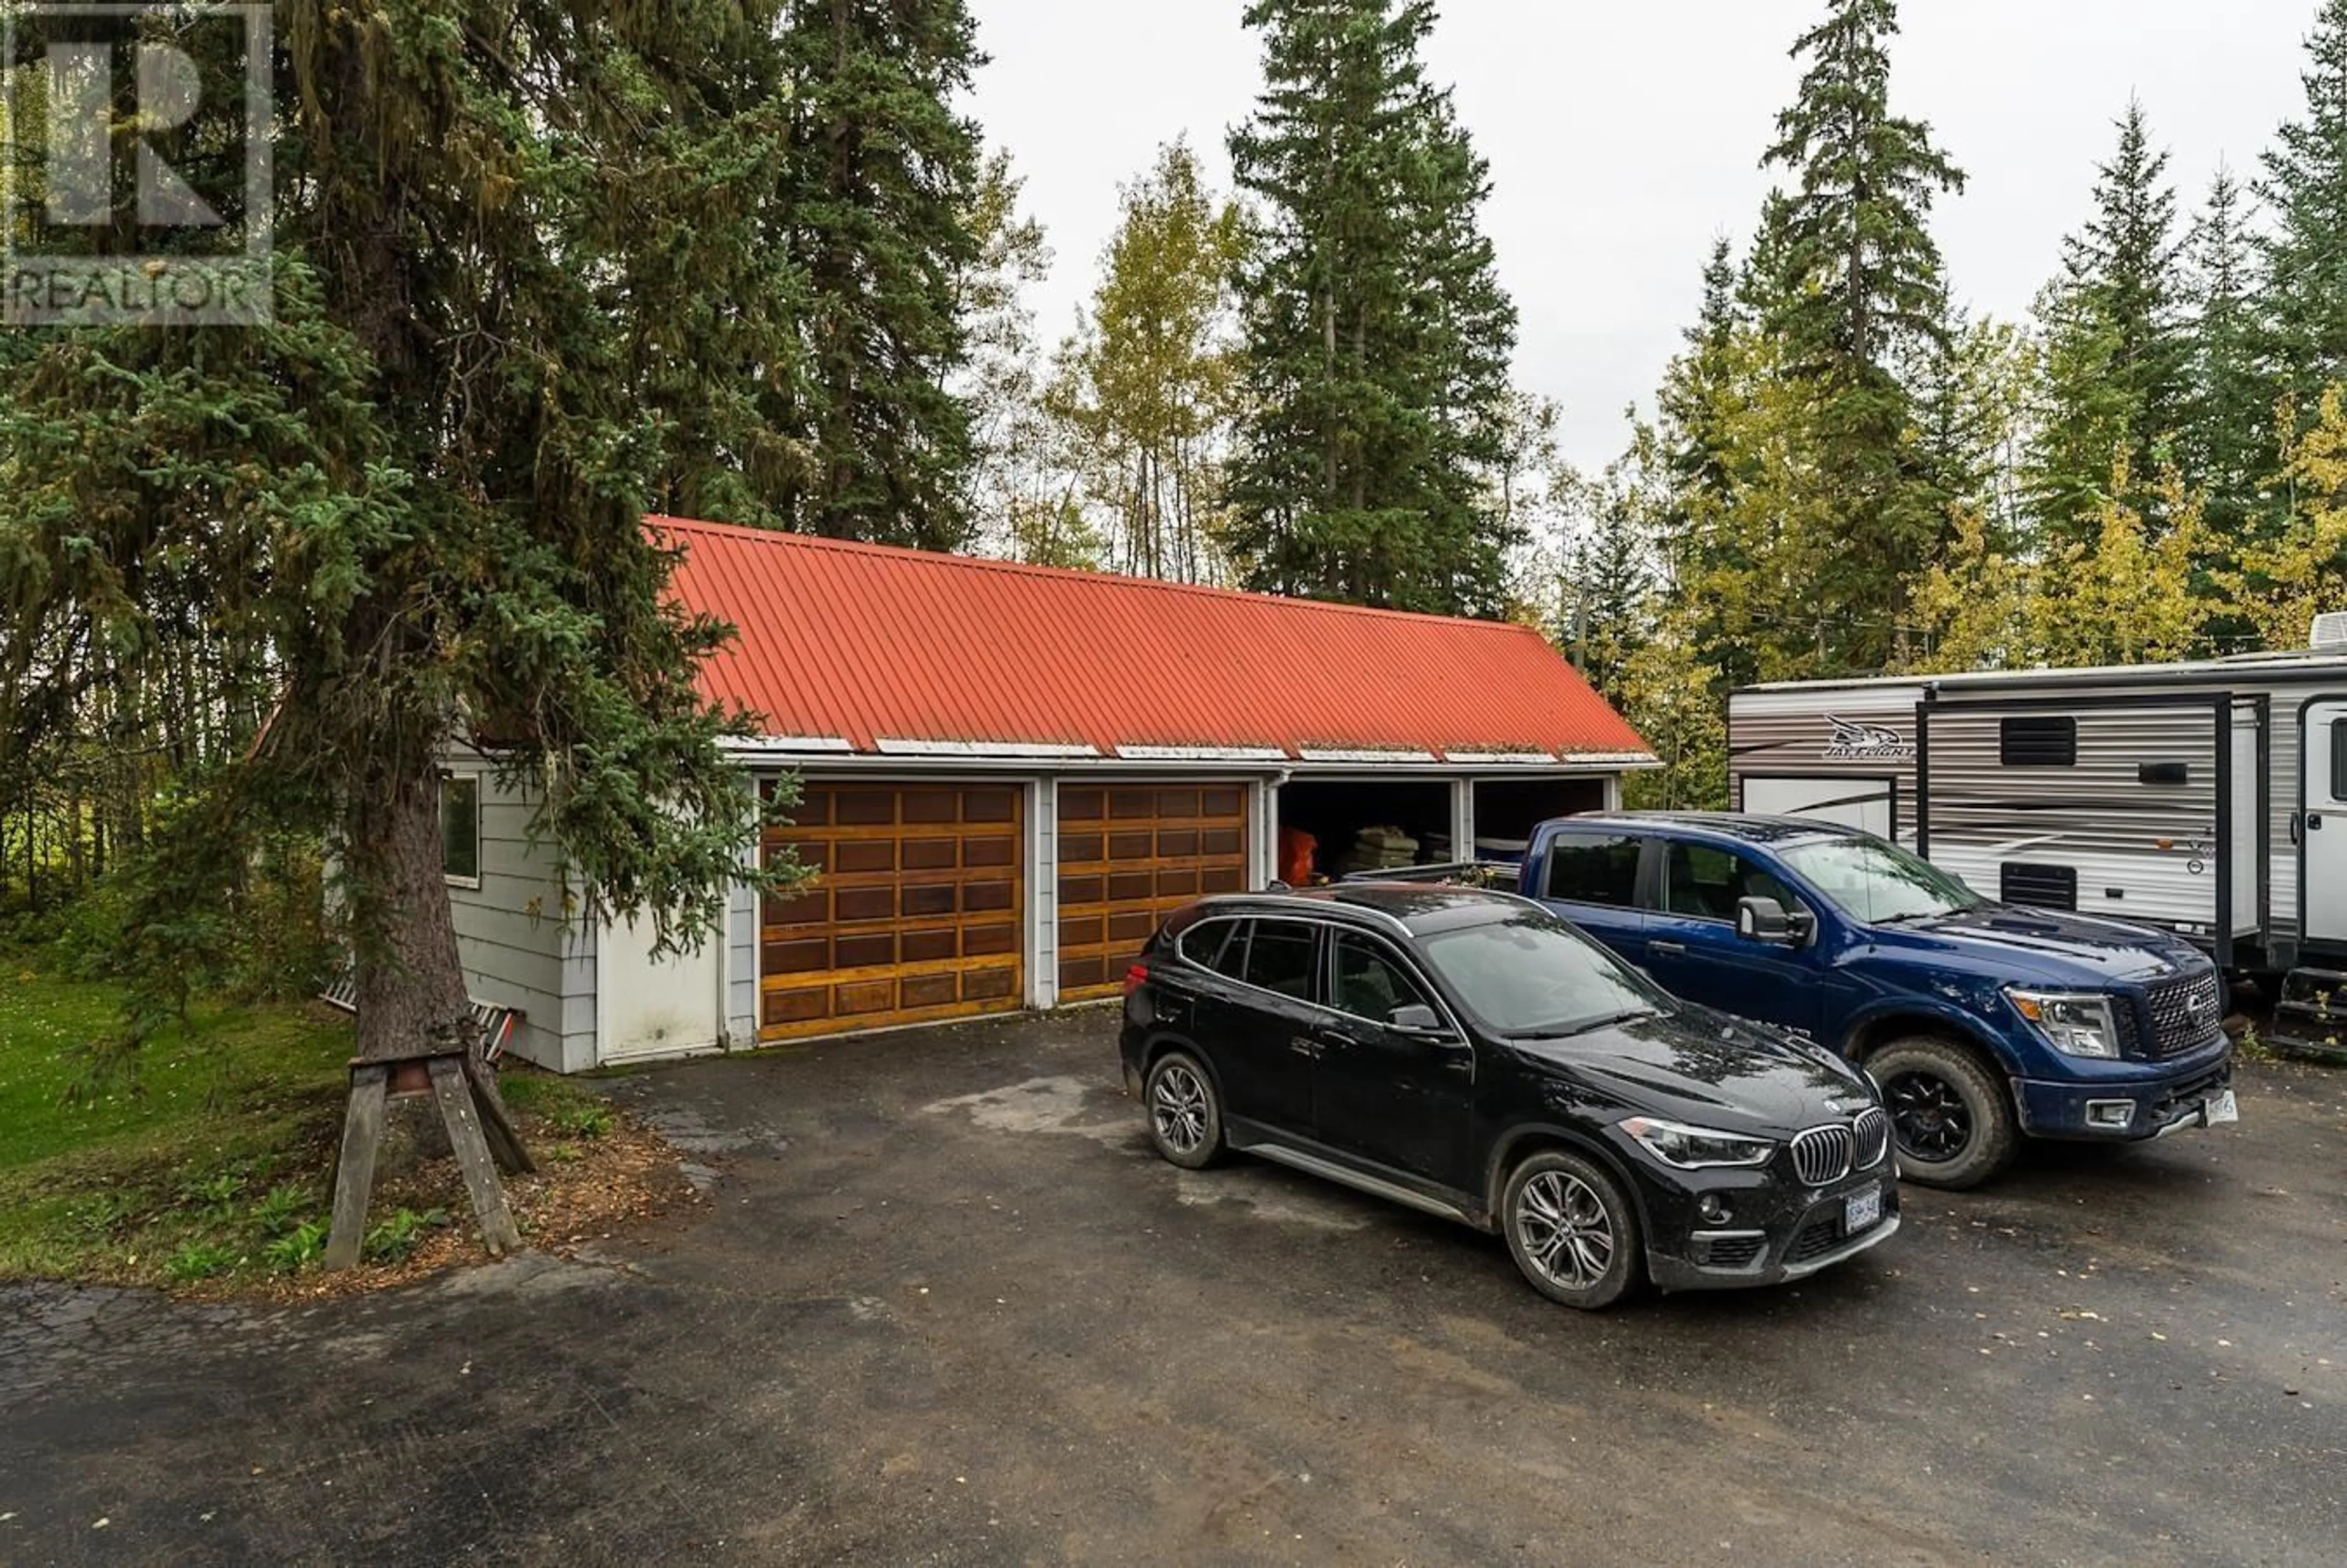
[871, 645]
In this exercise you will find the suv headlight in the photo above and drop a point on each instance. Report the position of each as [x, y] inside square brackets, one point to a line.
[2075, 1023]
[1694, 1148]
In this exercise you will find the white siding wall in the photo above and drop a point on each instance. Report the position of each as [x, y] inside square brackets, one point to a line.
[1043, 893]
[518, 948]
[1262, 834]
[741, 959]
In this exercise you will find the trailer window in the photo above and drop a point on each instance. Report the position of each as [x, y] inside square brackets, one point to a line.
[2038, 887]
[2039, 742]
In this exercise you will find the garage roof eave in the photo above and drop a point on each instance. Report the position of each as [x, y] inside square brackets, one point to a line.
[1613, 761]
[1017, 760]
[830, 754]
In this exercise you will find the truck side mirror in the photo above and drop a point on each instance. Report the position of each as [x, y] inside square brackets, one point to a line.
[1765, 920]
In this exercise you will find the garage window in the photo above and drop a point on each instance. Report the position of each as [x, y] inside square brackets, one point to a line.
[460, 828]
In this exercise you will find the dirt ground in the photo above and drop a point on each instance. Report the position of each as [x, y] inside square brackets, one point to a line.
[941, 1305]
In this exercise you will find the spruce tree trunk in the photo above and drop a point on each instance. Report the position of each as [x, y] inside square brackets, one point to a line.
[410, 987]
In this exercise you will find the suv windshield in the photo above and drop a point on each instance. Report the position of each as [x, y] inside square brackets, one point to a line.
[1874, 881]
[1531, 973]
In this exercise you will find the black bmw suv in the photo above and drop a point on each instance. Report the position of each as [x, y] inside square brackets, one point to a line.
[1470, 1054]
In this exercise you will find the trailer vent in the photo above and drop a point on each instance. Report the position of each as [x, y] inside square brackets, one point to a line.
[2330, 630]
[2040, 887]
[2038, 743]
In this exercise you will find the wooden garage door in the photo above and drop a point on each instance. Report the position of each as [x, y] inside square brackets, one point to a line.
[1131, 856]
[917, 912]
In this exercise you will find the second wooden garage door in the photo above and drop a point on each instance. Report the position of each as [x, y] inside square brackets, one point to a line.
[917, 911]
[1131, 856]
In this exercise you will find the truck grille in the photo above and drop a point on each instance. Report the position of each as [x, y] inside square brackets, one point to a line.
[1822, 1154]
[2184, 1014]
[1872, 1131]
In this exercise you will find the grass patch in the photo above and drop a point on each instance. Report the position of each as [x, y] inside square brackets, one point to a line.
[571, 1107]
[210, 1172]
[186, 1174]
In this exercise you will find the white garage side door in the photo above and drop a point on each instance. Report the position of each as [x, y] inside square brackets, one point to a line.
[651, 1007]
[1862, 803]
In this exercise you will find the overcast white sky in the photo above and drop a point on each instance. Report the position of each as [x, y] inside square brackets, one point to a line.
[1622, 136]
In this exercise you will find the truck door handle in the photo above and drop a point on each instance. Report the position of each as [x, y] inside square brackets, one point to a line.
[2314, 819]
[1674, 950]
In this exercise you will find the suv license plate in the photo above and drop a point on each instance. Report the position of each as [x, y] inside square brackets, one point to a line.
[1860, 1210]
[2221, 1108]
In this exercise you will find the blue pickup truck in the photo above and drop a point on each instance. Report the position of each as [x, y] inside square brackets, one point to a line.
[1984, 1022]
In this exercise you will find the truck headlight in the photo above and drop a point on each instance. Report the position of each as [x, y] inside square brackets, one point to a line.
[1695, 1148]
[2075, 1023]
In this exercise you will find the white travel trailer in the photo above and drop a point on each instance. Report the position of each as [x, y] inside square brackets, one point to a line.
[2207, 798]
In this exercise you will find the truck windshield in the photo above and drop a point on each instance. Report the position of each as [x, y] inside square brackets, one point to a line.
[1877, 881]
[1532, 974]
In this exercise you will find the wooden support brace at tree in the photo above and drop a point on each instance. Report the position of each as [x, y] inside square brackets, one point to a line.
[354, 1169]
[480, 1132]
[452, 1090]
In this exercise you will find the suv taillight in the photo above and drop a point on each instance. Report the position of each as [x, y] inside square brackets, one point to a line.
[1135, 977]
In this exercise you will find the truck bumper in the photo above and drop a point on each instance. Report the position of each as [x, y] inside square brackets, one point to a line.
[2125, 1110]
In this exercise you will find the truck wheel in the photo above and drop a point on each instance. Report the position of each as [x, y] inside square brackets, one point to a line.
[1952, 1118]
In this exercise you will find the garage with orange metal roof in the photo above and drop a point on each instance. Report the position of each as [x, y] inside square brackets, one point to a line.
[1008, 775]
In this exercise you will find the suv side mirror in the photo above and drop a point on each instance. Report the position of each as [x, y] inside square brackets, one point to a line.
[1420, 1021]
[1765, 920]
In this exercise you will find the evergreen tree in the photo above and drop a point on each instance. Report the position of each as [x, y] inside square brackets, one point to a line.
[2303, 251]
[1707, 393]
[2116, 348]
[413, 502]
[2226, 443]
[1378, 336]
[882, 175]
[1688, 401]
[1972, 413]
[2082, 418]
[1607, 577]
[1853, 291]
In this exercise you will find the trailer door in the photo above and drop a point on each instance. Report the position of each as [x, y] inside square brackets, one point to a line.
[2322, 842]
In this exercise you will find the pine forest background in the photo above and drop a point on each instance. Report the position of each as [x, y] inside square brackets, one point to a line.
[1300, 385]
